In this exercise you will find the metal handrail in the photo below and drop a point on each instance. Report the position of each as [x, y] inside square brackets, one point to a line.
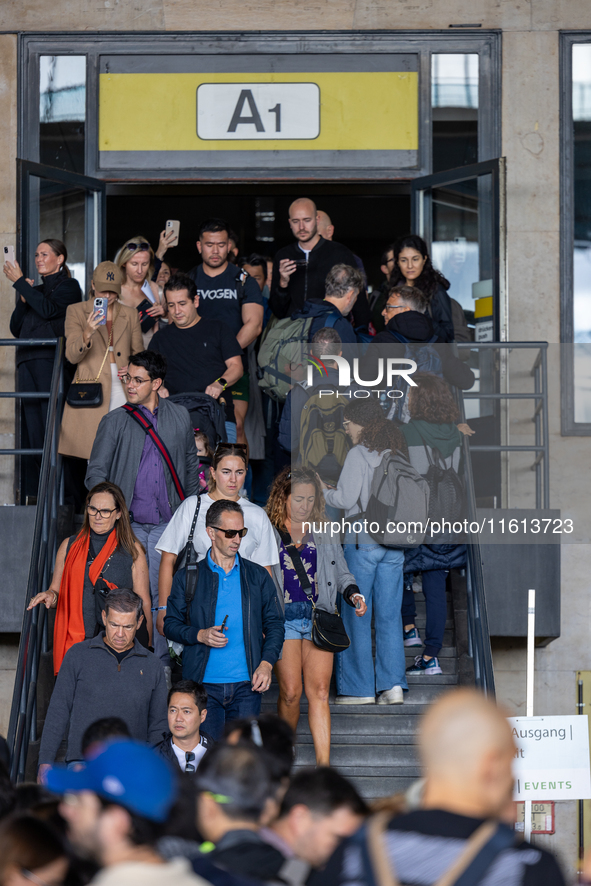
[539, 372]
[34, 632]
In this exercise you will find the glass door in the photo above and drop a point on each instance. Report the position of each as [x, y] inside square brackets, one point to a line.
[460, 214]
[65, 206]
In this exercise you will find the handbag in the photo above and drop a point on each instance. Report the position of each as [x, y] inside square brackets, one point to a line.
[328, 630]
[84, 394]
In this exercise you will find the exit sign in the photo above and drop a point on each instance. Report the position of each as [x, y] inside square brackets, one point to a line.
[258, 111]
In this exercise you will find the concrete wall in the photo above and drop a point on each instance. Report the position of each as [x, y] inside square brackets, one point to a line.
[530, 115]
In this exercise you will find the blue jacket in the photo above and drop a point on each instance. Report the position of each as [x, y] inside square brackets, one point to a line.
[262, 617]
[319, 311]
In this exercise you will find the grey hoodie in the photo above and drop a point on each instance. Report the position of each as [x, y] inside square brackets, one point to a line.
[352, 492]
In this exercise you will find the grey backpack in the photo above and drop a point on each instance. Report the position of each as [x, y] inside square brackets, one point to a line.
[398, 504]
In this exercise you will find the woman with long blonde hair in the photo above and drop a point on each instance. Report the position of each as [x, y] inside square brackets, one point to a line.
[295, 504]
[136, 261]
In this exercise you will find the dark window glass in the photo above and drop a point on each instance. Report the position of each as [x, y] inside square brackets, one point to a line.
[62, 111]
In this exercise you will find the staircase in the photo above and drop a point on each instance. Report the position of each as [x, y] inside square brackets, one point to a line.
[374, 745]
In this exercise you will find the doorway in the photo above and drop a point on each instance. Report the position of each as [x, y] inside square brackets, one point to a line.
[366, 217]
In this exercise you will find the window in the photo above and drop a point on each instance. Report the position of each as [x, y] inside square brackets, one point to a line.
[62, 111]
[454, 101]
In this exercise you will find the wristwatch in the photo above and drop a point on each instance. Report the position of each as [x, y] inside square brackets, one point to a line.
[222, 381]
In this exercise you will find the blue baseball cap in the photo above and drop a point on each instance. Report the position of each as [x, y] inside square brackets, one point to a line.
[130, 774]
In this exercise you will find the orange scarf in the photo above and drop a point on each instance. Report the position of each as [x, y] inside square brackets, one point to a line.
[69, 621]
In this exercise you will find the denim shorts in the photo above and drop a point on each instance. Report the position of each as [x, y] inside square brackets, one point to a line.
[298, 629]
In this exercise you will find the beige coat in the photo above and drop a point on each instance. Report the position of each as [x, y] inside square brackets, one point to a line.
[79, 426]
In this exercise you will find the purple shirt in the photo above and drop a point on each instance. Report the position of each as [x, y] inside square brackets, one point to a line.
[150, 496]
[292, 589]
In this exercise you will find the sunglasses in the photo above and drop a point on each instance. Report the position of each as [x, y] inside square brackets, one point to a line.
[189, 765]
[230, 533]
[140, 246]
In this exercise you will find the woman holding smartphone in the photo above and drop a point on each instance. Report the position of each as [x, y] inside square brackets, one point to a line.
[296, 500]
[136, 261]
[99, 347]
[40, 312]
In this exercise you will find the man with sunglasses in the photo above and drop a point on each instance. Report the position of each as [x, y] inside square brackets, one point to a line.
[234, 656]
[125, 454]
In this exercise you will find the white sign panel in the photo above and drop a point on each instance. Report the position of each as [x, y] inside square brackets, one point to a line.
[258, 111]
[552, 758]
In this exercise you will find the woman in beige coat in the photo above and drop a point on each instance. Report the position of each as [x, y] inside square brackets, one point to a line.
[86, 346]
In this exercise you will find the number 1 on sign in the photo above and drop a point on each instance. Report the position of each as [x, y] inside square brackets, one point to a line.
[277, 111]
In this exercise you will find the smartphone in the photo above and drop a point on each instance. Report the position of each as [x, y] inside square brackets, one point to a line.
[224, 622]
[9, 254]
[300, 262]
[176, 227]
[100, 304]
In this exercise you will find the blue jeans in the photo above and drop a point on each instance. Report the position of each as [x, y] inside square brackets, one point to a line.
[378, 574]
[227, 702]
[434, 591]
[231, 435]
[149, 535]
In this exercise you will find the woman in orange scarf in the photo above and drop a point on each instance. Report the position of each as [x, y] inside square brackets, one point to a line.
[104, 555]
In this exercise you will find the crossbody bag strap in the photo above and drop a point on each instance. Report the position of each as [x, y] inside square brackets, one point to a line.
[94, 381]
[192, 566]
[297, 564]
[159, 443]
[468, 869]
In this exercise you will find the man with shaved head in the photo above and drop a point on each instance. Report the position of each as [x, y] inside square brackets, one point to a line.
[460, 829]
[300, 269]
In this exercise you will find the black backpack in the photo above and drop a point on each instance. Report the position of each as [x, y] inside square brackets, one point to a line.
[207, 414]
[447, 497]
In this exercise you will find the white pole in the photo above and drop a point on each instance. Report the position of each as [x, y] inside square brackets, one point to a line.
[529, 690]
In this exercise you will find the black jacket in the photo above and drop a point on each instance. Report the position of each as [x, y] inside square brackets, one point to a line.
[419, 328]
[43, 314]
[309, 282]
[164, 747]
[263, 620]
[245, 852]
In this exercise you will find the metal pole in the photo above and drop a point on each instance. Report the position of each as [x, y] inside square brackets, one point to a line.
[580, 706]
[529, 688]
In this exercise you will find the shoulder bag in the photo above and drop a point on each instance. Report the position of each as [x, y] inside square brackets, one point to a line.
[188, 559]
[84, 394]
[470, 867]
[328, 630]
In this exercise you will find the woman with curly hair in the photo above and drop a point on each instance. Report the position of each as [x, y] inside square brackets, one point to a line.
[378, 569]
[296, 500]
[432, 436]
[413, 266]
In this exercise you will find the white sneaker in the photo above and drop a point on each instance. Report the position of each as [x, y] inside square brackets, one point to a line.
[392, 696]
[355, 699]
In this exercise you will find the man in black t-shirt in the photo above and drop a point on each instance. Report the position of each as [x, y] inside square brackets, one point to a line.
[201, 355]
[467, 750]
[226, 293]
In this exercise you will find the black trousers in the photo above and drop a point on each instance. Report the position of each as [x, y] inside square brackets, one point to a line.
[34, 375]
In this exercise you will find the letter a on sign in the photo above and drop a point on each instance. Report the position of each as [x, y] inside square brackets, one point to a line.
[246, 97]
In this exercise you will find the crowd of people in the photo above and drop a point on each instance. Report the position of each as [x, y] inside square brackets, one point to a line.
[203, 463]
[192, 811]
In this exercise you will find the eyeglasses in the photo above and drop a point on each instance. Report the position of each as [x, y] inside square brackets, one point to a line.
[126, 379]
[189, 765]
[230, 533]
[140, 246]
[393, 307]
[104, 512]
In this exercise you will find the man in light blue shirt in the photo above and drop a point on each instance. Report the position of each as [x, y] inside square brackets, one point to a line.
[234, 658]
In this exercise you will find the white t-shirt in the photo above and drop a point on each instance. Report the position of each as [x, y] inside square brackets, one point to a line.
[147, 290]
[258, 544]
[199, 751]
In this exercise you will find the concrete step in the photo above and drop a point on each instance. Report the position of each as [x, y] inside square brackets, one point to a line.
[374, 788]
[384, 756]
